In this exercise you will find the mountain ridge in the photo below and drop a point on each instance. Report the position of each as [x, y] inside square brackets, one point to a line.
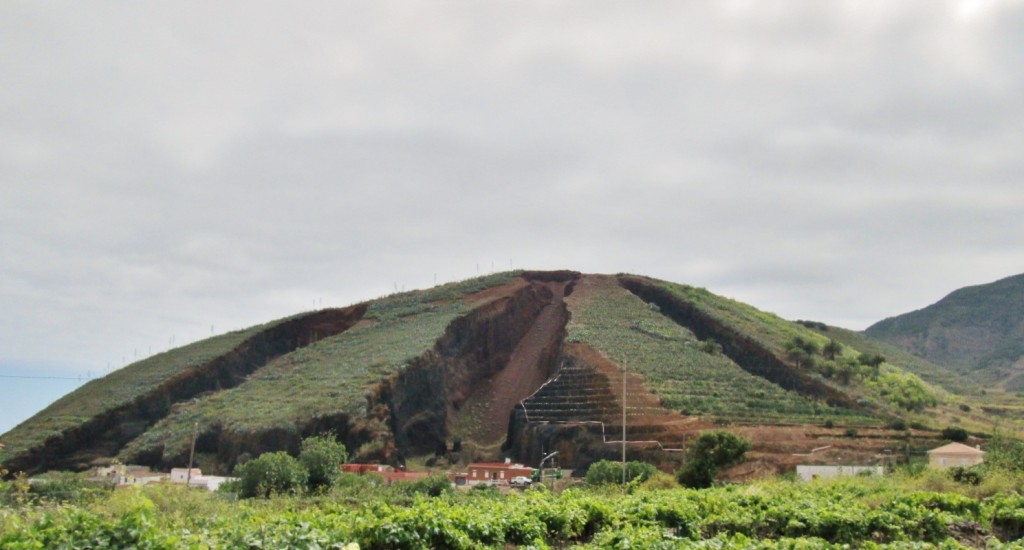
[456, 372]
[976, 330]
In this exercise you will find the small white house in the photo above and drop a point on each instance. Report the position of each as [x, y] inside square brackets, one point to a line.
[809, 472]
[197, 479]
[210, 483]
[181, 475]
[124, 475]
[955, 454]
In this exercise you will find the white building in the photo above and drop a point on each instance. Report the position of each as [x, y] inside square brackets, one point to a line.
[810, 472]
[181, 475]
[955, 454]
[197, 479]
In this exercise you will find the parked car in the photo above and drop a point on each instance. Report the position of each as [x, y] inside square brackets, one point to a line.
[520, 481]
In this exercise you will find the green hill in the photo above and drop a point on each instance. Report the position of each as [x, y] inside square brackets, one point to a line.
[976, 331]
[511, 364]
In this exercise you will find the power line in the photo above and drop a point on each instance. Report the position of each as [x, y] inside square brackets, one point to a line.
[32, 377]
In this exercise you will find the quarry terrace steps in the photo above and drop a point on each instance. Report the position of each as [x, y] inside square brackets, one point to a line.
[581, 394]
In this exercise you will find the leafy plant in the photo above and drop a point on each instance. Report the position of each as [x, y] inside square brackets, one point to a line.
[270, 474]
[711, 452]
[322, 457]
[954, 433]
[605, 472]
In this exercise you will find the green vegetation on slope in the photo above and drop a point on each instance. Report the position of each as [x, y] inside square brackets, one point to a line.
[120, 388]
[926, 370]
[329, 377]
[977, 330]
[861, 373]
[689, 375]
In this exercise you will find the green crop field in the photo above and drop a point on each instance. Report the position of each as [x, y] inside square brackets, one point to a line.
[901, 511]
[689, 375]
[120, 388]
[330, 376]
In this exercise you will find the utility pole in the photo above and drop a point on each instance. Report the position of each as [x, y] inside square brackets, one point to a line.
[191, 456]
[623, 425]
[540, 479]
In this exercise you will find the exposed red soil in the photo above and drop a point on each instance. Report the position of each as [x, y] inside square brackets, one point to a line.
[495, 293]
[581, 417]
[485, 414]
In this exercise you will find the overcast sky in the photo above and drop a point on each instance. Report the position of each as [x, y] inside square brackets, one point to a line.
[168, 169]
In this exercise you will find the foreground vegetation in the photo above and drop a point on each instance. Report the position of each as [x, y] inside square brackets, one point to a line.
[308, 503]
[919, 510]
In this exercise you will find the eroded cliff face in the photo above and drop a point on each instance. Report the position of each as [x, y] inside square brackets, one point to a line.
[411, 413]
[484, 364]
[104, 435]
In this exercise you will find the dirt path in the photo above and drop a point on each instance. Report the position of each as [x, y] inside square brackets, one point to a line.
[486, 412]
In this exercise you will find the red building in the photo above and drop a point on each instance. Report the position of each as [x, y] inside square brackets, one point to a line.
[496, 473]
[389, 474]
[364, 468]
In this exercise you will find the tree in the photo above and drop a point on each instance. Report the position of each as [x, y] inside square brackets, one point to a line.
[1005, 453]
[433, 486]
[832, 349]
[270, 474]
[711, 452]
[954, 433]
[322, 456]
[871, 360]
[801, 351]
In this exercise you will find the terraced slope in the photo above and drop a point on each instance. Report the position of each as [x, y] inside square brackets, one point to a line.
[692, 360]
[690, 374]
[509, 365]
[101, 416]
[397, 384]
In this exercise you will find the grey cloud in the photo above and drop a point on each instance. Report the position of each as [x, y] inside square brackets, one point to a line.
[170, 167]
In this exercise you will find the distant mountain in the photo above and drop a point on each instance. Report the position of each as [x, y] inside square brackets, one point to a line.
[977, 330]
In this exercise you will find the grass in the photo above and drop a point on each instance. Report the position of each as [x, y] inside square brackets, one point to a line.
[119, 388]
[676, 365]
[926, 370]
[331, 376]
[949, 389]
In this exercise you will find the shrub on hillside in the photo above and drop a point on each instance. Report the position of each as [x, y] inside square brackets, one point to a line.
[322, 457]
[270, 474]
[434, 486]
[967, 476]
[953, 433]
[711, 451]
[1005, 453]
